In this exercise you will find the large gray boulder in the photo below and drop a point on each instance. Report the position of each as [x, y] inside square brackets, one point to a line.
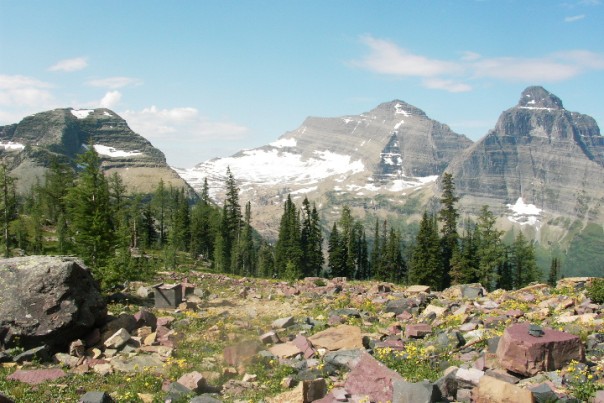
[47, 300]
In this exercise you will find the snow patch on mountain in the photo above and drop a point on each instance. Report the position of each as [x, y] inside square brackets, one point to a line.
[11, 146]
[273, 167]
[81, 113]
[398, 109]
[523, 213]
[113, 152]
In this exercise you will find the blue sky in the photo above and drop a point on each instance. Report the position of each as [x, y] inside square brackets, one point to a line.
[203, 79]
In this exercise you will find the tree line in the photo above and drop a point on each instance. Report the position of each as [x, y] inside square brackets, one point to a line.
[124, 236]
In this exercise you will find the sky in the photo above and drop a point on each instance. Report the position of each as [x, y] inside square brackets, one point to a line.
[205, 79]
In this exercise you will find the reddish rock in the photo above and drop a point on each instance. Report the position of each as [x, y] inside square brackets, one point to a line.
[528, 355]
[193, 381]
[304, 345]
[371, 378]
[165, 321]
[36, 376]
[145, 318]
[418, 330]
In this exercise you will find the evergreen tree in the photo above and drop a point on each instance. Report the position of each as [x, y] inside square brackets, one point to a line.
[464, 262]
[311, 240]
[59, 178]
[90, 213]
[288, 249]
[426, 265]
[230, 226]
[266, 261]
[523, 263]
[554, 272]
[336, 251]
[245, 263]
[203, 215]
[448, 215]
[160, 211]
[376, 254]
[490, 250]
[8, 206]
[393, 263]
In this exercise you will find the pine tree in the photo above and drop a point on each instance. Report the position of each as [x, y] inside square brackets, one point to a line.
[230, 227]
[90, 213]
[336, 261]
[245, 255]
[8, 206]
[554, 272]
[426, 265]
[490, 250]
[266, 261]
[311, 240]
[448, 215]
[394, 264]
[160, 210]
[376, 254]
[524, 265]
[203, 234]
[288, 250]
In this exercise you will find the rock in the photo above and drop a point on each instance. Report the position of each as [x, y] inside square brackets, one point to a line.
[543, 394]
[41, 353]
[47, 300]
[118, 339]
[144, 292]
[304, 345]
[36, 376]
[524, 354]
[139, 363]
[66, 360]
[338, 338]
[599, 398]
[398, 306]
[270, 337]
[285, 350]
[438, 311]
[95, 397]
[283, 323]
[447, 384]
[122, 321]
[416, 289]
[371, 378]
[469, 291]
[5, 399]
[469, 376]
[491, 390]
[193, 381]
[204, 399]
[241, 353]
[314, 389]
[419, 392]
[77, 348]
[418, 330]
[176, 392]
[344, 359]
[145, 318]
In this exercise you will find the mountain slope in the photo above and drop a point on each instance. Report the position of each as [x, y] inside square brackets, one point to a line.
[539, 153]
[351, 159]
[29, 146]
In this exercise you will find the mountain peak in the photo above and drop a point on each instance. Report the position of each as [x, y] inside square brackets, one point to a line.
[537, 97]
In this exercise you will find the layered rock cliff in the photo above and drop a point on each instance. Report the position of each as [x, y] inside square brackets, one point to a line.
[29, 146]
[539, 153]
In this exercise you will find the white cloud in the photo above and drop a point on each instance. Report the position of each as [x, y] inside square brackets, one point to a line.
[24, 91]
[574, 18]
[115, 82]
[155, 123]
[387, 58]
[70, 65]
[447, 85]
[111, 99]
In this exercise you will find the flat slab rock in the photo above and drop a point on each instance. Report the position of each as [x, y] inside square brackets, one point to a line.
[36, 376]
[338, 338]
[522, 353]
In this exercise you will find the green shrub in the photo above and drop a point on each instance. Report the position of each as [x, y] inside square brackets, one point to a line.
[595, 291]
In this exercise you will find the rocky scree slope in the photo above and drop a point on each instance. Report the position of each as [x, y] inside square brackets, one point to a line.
[236, 339]
[30, 145]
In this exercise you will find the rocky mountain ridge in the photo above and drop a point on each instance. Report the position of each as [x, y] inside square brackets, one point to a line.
[391, 150]
[29, 146]
[538, 152]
